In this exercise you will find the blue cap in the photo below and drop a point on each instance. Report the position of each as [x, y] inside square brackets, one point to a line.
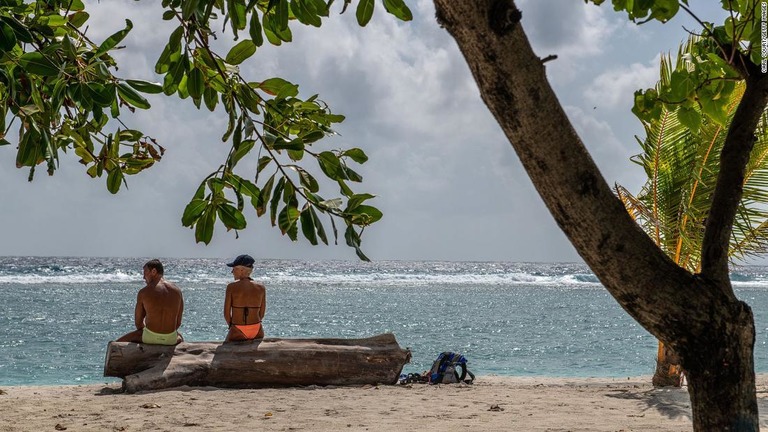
[242, 260]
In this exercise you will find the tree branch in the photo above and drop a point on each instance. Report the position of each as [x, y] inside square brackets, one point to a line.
[513, 84]
[730, 181]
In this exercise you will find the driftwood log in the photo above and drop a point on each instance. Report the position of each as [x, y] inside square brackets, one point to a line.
[270, 362]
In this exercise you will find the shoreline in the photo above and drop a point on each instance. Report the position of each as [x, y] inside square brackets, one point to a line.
[492, 403]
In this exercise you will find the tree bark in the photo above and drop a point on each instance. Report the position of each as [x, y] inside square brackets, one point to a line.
[268, 362]
[697, 316]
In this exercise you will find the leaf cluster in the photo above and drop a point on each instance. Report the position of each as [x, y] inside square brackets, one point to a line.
[61, 88]
[58, 89]
[682, 164]
[722, 55]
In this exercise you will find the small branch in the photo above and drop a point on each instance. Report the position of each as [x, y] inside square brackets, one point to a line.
[549, 58]
[724, 53]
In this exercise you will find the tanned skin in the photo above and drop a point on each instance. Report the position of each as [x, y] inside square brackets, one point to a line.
[159, 307]
[244, 292]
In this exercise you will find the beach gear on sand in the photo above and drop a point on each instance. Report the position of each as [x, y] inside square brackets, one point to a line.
[445, 369]
[150, 337]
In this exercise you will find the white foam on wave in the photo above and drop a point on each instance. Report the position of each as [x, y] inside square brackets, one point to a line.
[319, 278]
[81, 278]
[421, 279]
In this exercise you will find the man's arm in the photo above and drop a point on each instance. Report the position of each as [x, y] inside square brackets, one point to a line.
[139, 313]
[181, 310]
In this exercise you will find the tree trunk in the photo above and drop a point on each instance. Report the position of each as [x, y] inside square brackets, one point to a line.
[721, 372]
[268, 362]
[698, 316]
[667, 368]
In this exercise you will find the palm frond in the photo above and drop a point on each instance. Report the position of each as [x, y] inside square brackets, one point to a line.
[682, 169]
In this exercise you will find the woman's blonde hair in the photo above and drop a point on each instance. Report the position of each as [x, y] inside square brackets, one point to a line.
[246, 270]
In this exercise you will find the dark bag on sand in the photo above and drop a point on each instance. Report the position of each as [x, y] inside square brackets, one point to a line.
[450, 368]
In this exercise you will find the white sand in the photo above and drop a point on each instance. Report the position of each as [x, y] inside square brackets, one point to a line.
[491, 404]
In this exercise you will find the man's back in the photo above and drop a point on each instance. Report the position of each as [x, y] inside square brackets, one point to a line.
[163, 305]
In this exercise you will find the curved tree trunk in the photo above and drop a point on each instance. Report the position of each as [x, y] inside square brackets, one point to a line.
[696, 315]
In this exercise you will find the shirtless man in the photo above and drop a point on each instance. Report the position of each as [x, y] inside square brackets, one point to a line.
[244, 303]
[159, 307]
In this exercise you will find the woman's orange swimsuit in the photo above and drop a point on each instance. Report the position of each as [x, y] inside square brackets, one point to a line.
[245, 331]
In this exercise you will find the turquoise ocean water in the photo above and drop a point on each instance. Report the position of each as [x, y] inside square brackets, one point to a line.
[58, 314]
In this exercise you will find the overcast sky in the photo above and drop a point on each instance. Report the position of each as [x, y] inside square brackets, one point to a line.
[448, 182]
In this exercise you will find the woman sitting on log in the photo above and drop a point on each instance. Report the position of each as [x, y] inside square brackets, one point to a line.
[245, 302]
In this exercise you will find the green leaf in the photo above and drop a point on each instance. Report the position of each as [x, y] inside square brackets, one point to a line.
[690, 118]
[305, 12]
[287, 219]
[664, 10]
[243, 149]
[102, 95]
[364, 12]
[7, 37]
[188, 8]
[231, 217]
[330, 165]
[114, 179]
[195, 83]
[276, 195]
[295, 144]
[353, 240]
[308, 226]
[356, 200]
[682, 85]
[20, 30]
[365, 215]
[193, 211]
[211, 98]
[240, 52]
[204, 227]
[261, 208]
[399, 9]
[319, 226]
[77, 19]
[308, 181]
[145, 86]
[275, 86]
[281, 13]
[74, 5]
[236, 14]
[244, 186]
[39, 64]
[356, 155]
[255, 29]
[263, 162]
[174, 41]
[113, 40]
[131, 96]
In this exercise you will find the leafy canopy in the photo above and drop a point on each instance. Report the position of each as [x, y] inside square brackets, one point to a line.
[705, 86]
[682, 165]
[60, 93]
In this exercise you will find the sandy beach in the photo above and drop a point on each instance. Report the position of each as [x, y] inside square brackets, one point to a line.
[490, 404]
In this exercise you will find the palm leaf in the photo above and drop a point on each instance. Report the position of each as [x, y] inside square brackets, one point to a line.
[682, 169]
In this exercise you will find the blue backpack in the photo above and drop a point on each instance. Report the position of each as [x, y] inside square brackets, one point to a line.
[450, 368]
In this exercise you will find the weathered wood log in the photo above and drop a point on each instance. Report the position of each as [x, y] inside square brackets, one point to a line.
[270, 362]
